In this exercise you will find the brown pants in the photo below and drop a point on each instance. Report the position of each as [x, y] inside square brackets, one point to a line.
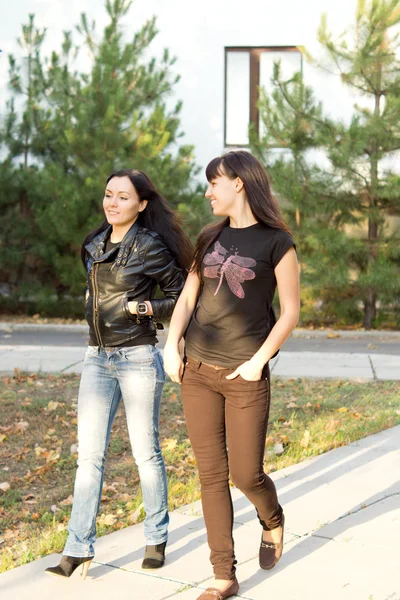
[221, 412]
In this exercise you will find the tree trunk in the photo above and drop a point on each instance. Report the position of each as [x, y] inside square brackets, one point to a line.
[370, 310]
[370, 303]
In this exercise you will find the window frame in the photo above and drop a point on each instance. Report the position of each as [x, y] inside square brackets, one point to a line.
[254, 57]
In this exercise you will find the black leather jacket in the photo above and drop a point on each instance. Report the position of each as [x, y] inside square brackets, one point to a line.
[130, 271]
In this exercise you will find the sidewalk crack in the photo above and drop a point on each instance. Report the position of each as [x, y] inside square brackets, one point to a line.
[71, 365]
[275, 363]
[364, 506]
[372, 368]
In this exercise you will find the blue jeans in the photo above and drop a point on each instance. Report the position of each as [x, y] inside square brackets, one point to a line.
[135, 374]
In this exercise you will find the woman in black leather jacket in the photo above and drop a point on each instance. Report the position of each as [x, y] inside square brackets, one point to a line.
[139, 246]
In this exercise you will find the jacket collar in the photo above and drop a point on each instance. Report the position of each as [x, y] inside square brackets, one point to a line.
[96, 247]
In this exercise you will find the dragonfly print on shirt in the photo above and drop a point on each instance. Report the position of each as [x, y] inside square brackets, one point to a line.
[234, 268]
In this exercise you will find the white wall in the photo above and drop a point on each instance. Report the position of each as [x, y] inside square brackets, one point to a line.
[197, 32]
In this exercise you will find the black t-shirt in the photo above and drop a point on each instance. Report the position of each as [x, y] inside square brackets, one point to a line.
[232, 318]
[111, 245]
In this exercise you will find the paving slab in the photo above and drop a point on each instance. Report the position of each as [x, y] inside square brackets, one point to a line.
[46, 359]
[313, 568]
[383, 531]
[187, 538]
[328, 364]
[386, 366]
[30, 582]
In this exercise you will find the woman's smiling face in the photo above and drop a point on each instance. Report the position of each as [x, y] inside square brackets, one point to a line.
[222, 193]
[121, 202]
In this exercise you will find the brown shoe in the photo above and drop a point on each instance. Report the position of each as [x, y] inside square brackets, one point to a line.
[214, 594]
[271, 553]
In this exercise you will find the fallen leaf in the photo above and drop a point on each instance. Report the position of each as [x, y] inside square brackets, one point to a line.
[291, 405]
[39, 451]
[54, 508]
[29, 499]
[7, 428]
[43, 469]
[278, 449]
[317, 406]
[308, 405]
[306, 439]
[74, 449]
[107, 519]
[52, 405]
[333, 335]
[331, 426]
[343, 409]
[9, 534]
[3, 438]
[169, 444]
[110, 487]
[68, 501]
[52, 456]
[125, 498]
[4, 486]
[21, 426]
[133, 518]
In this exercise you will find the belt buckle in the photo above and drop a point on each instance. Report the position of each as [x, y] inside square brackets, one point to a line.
[216, 367]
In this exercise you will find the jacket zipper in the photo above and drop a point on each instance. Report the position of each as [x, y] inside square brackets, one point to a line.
[95, 305]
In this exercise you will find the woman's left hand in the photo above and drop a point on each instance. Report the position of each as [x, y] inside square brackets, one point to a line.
[249, 370]
[132, 307]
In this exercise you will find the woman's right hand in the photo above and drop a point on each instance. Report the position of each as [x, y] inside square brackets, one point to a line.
[173, 363]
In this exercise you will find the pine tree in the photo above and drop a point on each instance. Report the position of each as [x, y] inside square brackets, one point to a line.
[18, 171]
[370, 65]
[293, 125]
[327, 205]
[88, 124]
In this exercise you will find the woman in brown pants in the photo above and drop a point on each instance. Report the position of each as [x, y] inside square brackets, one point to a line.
[225, 313]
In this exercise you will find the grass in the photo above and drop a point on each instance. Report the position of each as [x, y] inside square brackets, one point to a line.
[38, 450]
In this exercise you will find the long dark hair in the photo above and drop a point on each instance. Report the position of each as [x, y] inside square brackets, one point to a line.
[157, 216]
[265, 208]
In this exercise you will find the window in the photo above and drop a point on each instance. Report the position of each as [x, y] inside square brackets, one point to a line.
[247, 69]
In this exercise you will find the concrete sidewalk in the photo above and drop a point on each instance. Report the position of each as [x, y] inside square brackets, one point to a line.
[341, 541]
[343, 365]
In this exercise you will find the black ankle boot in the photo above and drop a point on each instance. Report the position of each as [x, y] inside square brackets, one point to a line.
[154, 556]
[68, 565]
